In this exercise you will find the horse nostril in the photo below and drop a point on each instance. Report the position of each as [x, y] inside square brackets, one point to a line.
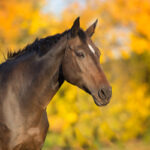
[102, 94]
[105, 93]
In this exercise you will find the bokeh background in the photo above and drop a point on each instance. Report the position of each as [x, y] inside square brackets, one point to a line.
[123, 36]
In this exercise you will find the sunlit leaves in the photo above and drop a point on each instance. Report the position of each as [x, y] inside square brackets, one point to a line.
[123, 30]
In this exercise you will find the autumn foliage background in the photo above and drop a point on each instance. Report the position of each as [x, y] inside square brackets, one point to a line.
[123, 36]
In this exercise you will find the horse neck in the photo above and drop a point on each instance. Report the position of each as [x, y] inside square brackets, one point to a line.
[50, 76]
[39, 77]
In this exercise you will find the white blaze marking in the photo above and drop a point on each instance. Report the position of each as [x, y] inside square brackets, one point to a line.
[91, 48]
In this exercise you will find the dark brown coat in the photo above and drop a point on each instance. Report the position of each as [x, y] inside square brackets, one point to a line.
[30, 78]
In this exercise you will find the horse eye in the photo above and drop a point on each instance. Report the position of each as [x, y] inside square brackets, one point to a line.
[80, 54]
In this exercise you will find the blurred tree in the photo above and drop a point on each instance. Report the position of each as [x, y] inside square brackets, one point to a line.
[22, 21]
[123, 36]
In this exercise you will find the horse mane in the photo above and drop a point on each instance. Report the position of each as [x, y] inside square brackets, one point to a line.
[43, 45]
[40, 46]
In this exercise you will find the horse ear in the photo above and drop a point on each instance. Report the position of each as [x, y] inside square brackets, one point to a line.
[75, 27]
[91, 29]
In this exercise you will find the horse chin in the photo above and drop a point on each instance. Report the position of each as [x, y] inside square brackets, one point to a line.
[99, 102]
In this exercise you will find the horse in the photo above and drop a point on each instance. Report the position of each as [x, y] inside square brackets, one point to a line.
[31, 77]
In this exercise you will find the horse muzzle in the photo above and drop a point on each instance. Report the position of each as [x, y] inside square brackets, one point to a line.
[103, 97]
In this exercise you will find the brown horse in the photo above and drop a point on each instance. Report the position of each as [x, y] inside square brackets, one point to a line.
[31, 77]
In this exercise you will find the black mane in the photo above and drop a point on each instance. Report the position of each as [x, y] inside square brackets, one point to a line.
[40, 46]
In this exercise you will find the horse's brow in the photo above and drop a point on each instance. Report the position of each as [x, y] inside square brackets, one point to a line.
[91, 48]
